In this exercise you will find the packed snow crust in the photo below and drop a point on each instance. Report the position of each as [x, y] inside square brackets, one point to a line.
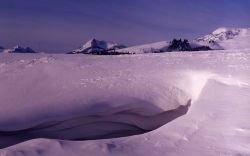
[39, 90]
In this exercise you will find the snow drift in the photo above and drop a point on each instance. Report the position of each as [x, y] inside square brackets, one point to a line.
[64, 98]
[132, 90]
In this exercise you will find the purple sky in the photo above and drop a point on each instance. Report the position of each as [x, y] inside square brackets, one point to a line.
[63, 25]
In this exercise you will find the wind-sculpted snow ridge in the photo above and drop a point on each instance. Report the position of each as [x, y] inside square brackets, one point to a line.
[118, 124]
[129, 93]
[70, 100]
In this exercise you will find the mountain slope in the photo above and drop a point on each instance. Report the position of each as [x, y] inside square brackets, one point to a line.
[165, 46]
[93, 46]
[221, 38]
[227, 38]
[19, 49]
[147, 48]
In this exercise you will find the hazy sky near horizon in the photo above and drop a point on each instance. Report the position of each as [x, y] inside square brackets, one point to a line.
[63, 25]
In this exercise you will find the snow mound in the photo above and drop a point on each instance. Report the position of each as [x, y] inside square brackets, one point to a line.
[94, 96]
[94, 46]
[227, 38]
[86, 98]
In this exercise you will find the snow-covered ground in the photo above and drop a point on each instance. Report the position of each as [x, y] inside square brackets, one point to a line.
[72, 96]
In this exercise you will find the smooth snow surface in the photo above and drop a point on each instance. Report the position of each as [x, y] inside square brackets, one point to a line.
[35, 88]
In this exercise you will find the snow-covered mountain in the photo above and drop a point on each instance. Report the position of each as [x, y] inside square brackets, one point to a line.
[226, 38]
[165, 46]
[19, 49]
[221, 38]
[147, 48]
[94, 46]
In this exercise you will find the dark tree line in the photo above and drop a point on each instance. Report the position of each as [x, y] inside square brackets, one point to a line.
[184, 45]
[179, 45]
